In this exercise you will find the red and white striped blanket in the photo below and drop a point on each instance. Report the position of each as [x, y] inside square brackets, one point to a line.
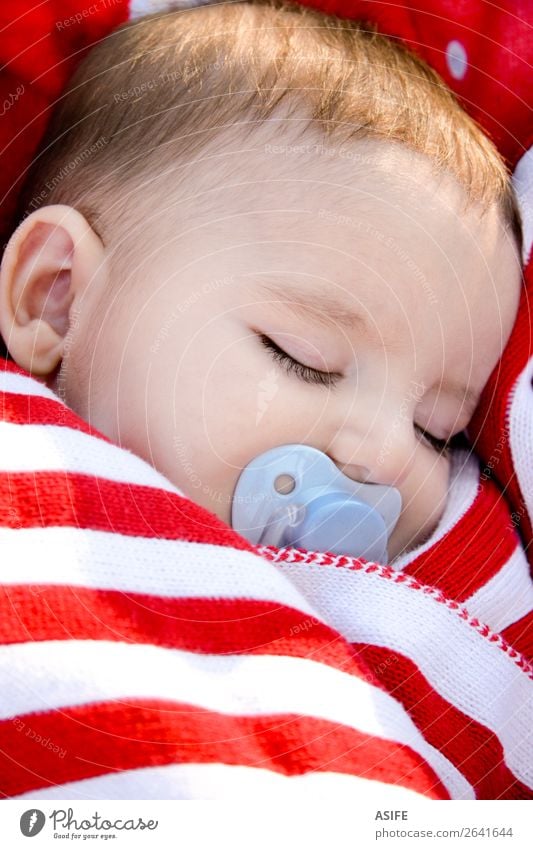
[148, 651]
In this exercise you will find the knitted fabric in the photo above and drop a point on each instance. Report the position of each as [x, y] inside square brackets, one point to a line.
[148, 651]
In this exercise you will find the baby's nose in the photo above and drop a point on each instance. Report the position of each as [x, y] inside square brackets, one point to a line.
[381, 454]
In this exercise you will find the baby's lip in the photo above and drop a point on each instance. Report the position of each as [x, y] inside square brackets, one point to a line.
[361, 474]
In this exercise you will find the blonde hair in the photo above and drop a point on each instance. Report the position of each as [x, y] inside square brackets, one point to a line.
[166, 85]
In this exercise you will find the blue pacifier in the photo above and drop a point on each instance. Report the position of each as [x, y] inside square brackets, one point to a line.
[294, 496]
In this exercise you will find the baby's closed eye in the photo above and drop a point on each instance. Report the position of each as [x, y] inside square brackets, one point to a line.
[442, 446]
[327, 379]
[300, 370]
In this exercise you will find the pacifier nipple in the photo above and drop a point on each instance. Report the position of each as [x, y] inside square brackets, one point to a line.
[295, 496]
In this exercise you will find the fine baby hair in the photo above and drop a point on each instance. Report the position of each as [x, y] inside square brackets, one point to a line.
[153, 98]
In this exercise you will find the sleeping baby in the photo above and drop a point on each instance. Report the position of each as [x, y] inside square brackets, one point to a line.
[252, 228]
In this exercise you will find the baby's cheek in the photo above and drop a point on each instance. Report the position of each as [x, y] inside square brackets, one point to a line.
[424, 500]
[228, 406]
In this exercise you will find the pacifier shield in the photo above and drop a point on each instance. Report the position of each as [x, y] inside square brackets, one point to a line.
[295, 496]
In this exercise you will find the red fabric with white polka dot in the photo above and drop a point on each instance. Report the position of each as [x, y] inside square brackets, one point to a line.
[483, 51]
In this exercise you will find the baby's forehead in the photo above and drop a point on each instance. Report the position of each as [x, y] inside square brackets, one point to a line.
[301, 160]
[304, 202]
[324, 210]
[284, 165]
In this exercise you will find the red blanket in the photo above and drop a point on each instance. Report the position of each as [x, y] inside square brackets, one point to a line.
[147, 651]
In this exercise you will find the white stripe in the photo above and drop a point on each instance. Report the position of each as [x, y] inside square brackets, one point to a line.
[507, 597]
[523, 185]
[19, 384]
[466, 669]
[521, 434]
[51, 675]
[462, 492]
[107, 561]
[221, 781]
[38, 448]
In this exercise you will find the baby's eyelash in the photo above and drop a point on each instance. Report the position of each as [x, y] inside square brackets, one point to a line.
[305, 373]
[442, 446]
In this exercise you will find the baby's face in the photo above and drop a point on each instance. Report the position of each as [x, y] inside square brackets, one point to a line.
[339, 298]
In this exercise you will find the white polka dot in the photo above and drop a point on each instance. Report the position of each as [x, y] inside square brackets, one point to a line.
[456, 59]
[523, 185]
[139, 8]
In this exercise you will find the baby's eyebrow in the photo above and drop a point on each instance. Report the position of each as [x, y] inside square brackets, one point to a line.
[314, 304]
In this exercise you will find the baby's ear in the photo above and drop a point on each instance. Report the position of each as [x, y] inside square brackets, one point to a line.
[49, 261]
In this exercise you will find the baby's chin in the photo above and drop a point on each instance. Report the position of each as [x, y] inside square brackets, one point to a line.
[414, 530]
[399, 545]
